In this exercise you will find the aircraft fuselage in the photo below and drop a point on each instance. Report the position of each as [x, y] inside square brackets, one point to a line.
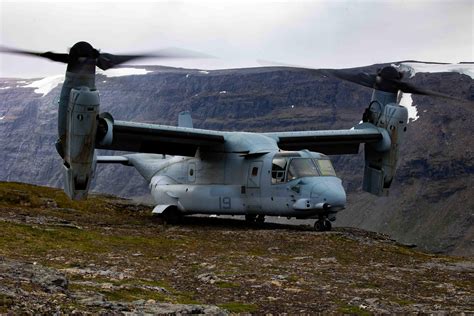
[292, 184]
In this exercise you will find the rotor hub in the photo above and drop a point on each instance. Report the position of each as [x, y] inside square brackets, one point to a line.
[82, 58]
[386, 79]
[83, 49]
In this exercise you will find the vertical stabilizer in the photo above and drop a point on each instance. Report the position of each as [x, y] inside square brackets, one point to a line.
[185, 119]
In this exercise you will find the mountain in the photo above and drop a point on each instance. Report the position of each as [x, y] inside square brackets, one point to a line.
[431, 198]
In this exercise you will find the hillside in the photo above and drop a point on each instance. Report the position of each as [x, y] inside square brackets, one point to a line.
[108, 254]
[431, 200]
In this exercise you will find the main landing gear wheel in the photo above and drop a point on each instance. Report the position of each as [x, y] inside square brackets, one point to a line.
[255, 219]
[322, 225]
[172, 216]
[250, 218]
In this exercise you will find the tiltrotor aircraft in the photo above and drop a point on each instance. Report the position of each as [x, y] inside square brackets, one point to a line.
[196, 171]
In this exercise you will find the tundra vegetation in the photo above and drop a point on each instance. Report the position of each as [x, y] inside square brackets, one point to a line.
[108, 254]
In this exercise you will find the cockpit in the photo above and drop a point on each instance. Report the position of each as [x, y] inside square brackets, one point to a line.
[287, 166]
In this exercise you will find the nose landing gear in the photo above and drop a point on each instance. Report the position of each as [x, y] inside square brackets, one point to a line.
[322, 224]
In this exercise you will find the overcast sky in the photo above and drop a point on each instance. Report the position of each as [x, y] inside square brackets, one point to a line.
[330, 34]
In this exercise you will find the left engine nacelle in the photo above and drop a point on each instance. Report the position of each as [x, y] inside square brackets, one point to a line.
[79, 155]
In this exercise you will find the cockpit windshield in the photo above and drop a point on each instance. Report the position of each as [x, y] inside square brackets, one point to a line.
[287, 167]
[301, 167]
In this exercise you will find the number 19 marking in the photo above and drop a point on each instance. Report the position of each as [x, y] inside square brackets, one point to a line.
[225, 203]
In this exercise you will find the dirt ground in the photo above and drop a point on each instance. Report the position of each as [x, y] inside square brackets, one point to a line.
[108, 255]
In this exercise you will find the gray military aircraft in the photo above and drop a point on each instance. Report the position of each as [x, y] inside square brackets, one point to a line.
[197, 171]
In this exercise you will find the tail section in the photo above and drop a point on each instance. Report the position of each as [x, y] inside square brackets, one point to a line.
[146, 164]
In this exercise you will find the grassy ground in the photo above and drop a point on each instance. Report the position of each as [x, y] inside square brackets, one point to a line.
[111, 247]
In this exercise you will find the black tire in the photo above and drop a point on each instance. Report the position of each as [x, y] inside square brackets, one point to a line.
[319, 226]
[250, 218]
[172, 216]
[327, 225]
[260, 219]
[157, 218]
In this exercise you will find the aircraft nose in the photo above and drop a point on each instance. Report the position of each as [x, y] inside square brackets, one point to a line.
[336, 196]
[330, 191]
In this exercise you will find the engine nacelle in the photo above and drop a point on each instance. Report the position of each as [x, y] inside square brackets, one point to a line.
[381, 158]
[79, 155]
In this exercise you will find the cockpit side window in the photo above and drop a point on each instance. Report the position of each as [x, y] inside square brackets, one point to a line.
[278, 170]
[279, 164]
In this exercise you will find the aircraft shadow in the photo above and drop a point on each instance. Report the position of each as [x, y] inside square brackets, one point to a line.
[238, 223]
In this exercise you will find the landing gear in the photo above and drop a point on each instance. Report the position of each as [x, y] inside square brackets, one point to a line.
[250, 218]
[255, 219]
[327, 225]
[260, 219]
[322, 224]
[172, 216]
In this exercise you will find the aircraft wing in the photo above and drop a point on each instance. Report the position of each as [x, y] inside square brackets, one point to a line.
[160, 139]
[330, 142]
[113, 159]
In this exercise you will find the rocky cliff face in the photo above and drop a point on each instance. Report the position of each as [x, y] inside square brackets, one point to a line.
[431, 201]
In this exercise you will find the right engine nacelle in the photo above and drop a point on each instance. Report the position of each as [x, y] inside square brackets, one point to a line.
[79, 155]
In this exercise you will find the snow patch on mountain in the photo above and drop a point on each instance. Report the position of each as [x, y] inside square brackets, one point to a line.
[407, 102]
[45, 85]
[120, 72]
[413, 68]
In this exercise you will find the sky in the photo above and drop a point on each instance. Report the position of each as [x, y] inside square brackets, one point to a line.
[318, 34]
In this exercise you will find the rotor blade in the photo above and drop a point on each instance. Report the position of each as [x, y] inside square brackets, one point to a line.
[361, 78]
[406, 87]
[272, 63]
[63, 58]
[174, 52]
[106, 61]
